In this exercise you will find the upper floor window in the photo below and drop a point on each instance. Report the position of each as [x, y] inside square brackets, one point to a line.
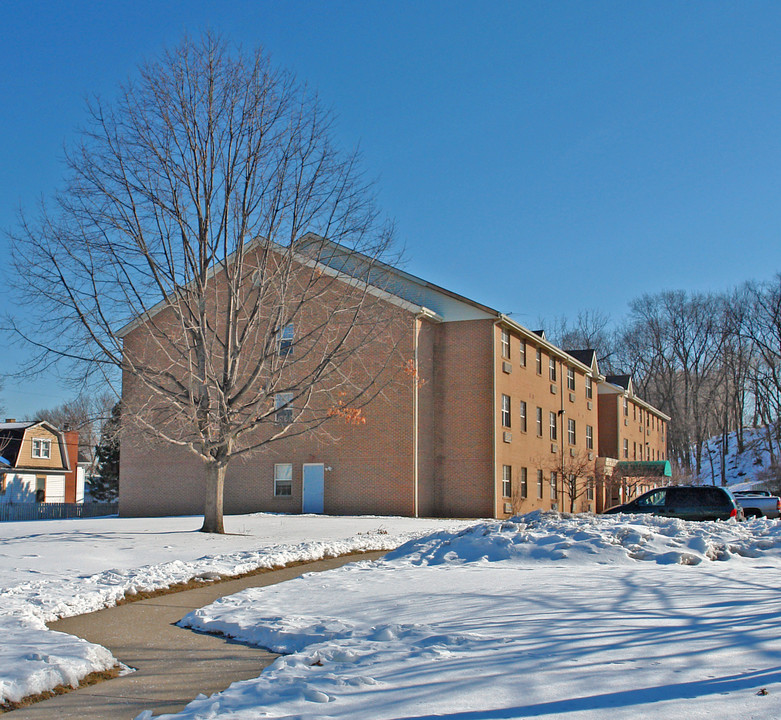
[589, 437]
[507, 481]
[523, 416]
[589, 387]
[539, 361]
[570, 378]
[284, 413]
[626, 406]
[626, 450]
[571, 431]
[42, 448]
[539, 422]
[552, 369]
[553, 433]
[523, 353]
[505, 343]
[285, 340]
[506, 411]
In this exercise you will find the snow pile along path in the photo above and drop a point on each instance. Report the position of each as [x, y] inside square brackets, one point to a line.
[544, 615]
[34, 659]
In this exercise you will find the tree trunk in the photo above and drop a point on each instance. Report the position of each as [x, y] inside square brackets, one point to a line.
[212, 510]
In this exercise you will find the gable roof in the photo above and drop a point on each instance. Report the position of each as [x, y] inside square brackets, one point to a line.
[624, 381]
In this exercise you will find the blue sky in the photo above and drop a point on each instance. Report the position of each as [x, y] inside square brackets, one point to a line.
[542, 158]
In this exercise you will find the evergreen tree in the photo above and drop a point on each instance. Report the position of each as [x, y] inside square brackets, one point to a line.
[105, 486]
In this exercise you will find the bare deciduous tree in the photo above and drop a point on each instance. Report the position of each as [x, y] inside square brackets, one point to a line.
[217, 248]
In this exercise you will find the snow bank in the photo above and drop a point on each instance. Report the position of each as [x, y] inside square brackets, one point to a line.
[542, 537]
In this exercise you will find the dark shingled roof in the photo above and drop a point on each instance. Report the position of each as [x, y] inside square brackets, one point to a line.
[11, 436]
[622, 380]
[583, 356]
[540, 333]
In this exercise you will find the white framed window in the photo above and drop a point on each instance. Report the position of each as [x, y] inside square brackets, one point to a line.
[553, 426]
[539, 422]
[505, 344]
[283, 479]
[552, 369]
[540, 484]
[626, 450]
[42, 448]
[589, 437]
[570, 378]
[589, 387]
[524, 483]
[506, 411]
[507, 481]
[554, 485]
[523, 353]
[285, 340]
[523, 416]
[539, 361]
[284, 413]
[571, 431]
[590, 489]
[626, 408]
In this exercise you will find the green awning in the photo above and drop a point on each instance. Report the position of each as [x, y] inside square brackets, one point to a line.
[660, 468]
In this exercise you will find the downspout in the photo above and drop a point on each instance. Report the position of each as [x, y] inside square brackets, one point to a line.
[416, 423]
[494, 468]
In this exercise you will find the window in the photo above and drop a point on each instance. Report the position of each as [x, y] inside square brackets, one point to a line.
[626, 450]
[540, 483]
[505, 410]
[554, 485]
[523, 353]
[283, 479]
[505, 344]
[626, 407]
[634, 411]
[590, 489]
[571, 431]
[539, 361]
[539, 422]
[524, 483]
[553, 433]
[284, 413]
[589, 387]
[507, 481]
[42, 448]
[523, 416]
[285, 340]
[655, 499]
[570, 378]
[552, 369]
[589, 437]
[634, 451]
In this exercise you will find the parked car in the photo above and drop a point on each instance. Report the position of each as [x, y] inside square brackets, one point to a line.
[758, 503]
[687, 502]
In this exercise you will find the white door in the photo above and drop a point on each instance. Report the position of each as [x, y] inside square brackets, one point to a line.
[314, 484]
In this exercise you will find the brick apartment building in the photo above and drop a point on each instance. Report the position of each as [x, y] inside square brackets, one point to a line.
[494, 420]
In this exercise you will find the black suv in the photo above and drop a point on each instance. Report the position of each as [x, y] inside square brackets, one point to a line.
[686, 502]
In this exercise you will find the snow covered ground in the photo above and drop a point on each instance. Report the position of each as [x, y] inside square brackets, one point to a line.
[60, 568]
[544, 616]
[740, 468]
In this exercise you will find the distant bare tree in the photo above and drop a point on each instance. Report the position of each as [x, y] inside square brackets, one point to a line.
[591, 329]
[576, 473]
[210, 205]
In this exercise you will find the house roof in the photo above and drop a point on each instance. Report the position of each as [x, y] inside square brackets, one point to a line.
[12, 436]
[623, 381]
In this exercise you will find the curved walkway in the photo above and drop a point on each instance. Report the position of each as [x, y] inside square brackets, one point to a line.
[172, 664]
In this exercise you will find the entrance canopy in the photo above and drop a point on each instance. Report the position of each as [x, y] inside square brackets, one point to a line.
[659, 468]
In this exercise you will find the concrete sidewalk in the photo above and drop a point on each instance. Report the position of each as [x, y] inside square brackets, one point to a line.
[172, 664]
